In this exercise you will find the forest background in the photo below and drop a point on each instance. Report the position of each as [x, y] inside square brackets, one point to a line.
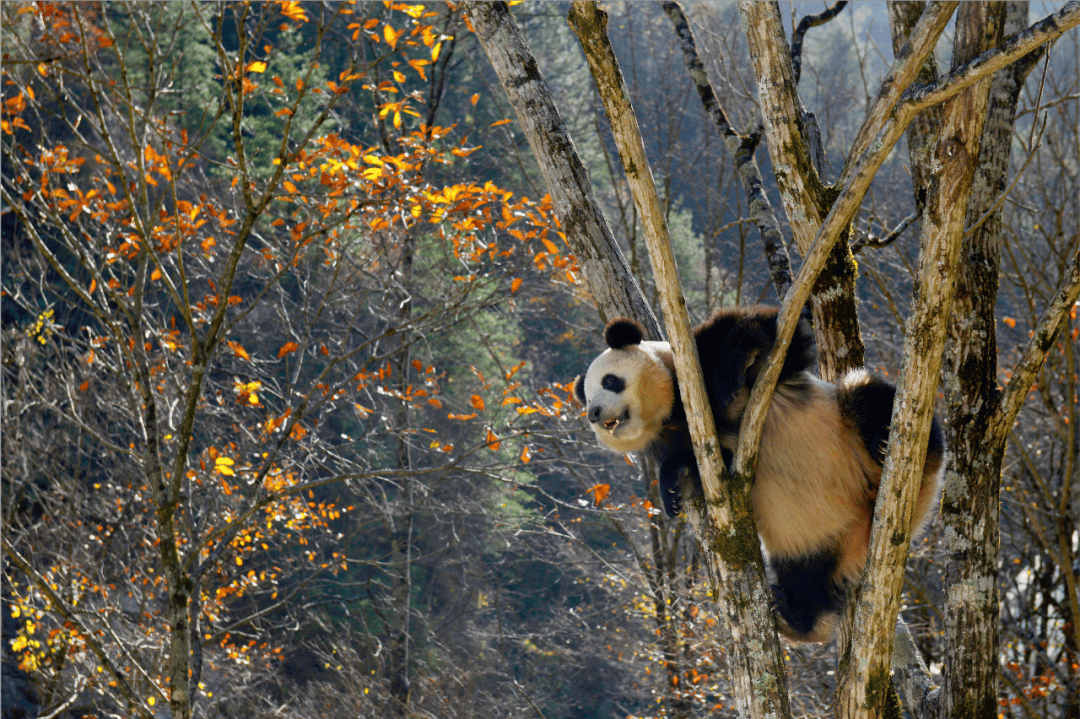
[288, 326]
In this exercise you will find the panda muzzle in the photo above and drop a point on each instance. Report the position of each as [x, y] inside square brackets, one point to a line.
[609, 423]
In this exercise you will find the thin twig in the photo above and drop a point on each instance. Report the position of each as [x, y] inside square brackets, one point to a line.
[1003, 195]
[886, 240]
[1038, 98]
[800, 33]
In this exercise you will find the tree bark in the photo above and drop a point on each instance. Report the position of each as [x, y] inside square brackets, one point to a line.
[865, 676]
[757, 662]
[970, 500]
[923, 128]
[975, 414]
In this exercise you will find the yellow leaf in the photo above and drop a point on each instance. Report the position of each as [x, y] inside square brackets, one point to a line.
[292, 10]
[256, 66]
[390, 36]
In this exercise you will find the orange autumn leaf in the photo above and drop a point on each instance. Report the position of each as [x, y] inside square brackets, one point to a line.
[1009, 321]
[461, 416]
[493, 442]
[297, 433]
[515, 285]
[238, 350]
[287, 348]
[600, 492]
[84, 386]
[526, 455]
[477, 402]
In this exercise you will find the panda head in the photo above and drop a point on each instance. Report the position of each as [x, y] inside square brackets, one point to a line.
[629, 390]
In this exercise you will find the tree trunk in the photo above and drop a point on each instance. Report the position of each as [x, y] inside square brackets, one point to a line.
[743, 594]
[865, 676]
[970, 501]
[805, 197]
[587, 233]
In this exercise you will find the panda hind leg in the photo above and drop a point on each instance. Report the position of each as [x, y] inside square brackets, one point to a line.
[807, 599]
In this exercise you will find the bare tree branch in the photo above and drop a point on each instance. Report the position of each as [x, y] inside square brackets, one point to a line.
[805, 24]
[742, 150]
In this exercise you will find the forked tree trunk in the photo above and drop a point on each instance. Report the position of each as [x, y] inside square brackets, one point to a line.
[865, 676]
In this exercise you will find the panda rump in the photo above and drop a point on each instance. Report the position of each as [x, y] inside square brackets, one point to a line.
[820, 461]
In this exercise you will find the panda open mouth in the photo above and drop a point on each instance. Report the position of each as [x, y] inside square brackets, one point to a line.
[612, 424]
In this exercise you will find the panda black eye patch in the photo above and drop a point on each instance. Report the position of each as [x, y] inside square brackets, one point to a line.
[613, 384]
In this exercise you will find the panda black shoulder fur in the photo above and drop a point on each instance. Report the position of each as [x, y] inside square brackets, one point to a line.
[820, 460]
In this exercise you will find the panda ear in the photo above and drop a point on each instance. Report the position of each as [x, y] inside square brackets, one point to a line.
[622, 332]
[579, 388]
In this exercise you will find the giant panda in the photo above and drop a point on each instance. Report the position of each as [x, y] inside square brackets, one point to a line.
[820, 461]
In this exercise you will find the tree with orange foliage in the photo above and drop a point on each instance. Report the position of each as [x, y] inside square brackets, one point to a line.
[225, 307]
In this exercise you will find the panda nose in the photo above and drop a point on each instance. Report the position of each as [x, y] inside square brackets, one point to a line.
[594, 414]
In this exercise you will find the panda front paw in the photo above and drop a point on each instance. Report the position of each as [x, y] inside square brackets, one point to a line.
[679, 481]
[672, 501]
[672, 496]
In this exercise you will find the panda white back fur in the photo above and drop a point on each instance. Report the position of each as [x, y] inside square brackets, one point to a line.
[818, 468]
